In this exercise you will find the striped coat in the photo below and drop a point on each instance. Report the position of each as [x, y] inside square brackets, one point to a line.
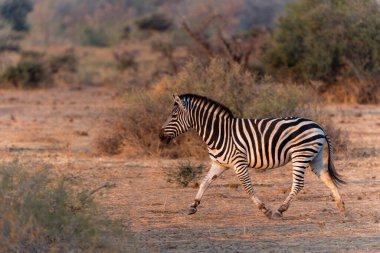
[241, 144]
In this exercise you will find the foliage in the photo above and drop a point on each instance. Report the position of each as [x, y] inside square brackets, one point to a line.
[323, 40]
[247, 97]
[111, 139]
[10, 42]
[15, 12]
[93, 37]
[67, 61]
[35, 70]
[39, 214]
[155, 22]
[184, 173]
[30, 72]
[27, 74]
[126, 60]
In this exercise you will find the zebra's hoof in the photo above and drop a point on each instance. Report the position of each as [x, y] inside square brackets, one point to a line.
[268, 213]
[191, 210]
[277, 215]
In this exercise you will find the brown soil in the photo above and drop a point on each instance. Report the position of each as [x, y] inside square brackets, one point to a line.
[58, 127]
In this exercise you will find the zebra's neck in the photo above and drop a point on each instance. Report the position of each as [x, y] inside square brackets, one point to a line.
[212, 122]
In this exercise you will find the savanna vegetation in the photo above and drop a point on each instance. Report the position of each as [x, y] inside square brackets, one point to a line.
[259, 58]
[285, 62]
[40, 213]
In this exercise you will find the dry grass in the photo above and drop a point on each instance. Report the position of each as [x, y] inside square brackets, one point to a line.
[184, 174]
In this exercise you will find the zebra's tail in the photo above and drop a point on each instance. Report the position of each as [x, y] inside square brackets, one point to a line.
[336, 178]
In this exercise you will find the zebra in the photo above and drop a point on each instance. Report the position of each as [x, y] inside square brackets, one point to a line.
[241, 143]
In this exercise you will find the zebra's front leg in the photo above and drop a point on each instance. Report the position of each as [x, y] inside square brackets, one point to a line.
[242, 172]
[215, 171]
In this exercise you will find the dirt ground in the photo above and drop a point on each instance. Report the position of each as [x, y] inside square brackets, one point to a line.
[58, 127]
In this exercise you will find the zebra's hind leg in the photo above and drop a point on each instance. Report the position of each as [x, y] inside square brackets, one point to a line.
[322, 172]
[300, 162]
[215, 171]
[242, 172]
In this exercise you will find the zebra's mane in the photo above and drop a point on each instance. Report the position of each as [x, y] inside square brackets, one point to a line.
[207, 100]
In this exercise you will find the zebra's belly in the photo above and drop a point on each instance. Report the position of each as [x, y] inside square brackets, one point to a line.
[268, 164]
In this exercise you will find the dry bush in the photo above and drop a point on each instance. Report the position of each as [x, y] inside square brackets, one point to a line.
[37, 70]
[110, 140]
[39, 214]
[184, 173]
[240, 90]
[220, 80]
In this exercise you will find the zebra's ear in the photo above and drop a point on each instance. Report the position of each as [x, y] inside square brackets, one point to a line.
[179, 102]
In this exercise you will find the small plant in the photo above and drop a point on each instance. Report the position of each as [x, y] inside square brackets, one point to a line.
[184, 173]
[126, 60]
[110, 144]
[111, 139]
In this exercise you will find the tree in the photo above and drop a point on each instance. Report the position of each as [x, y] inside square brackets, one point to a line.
[324, 40]
[15, 12]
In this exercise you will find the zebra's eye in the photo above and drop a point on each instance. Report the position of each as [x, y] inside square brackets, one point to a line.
[174, 116]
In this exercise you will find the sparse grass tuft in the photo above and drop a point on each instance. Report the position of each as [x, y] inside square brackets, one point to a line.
[184, 173]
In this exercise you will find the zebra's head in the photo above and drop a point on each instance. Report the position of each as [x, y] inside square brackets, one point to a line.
[178, 122]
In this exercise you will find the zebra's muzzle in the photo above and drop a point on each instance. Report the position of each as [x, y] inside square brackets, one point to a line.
[164, 138]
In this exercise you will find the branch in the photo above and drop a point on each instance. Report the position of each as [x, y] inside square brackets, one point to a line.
[198, 39]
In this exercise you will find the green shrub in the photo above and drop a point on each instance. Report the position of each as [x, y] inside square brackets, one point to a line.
[35, 70]
[15, 12]
[323, 40]
[155, 22]
[27, 74]
[184, 173]
[39, 214]
[94, 38]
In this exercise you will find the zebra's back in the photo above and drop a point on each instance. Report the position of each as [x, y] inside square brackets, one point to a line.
[270, 143]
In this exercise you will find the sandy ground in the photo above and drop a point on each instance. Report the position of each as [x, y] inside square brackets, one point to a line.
[58, 127]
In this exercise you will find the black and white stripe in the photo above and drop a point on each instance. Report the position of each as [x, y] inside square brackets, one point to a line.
[253, 143]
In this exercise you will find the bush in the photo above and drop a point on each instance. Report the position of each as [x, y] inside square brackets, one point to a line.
[15, 12]
[110, 141]
[27, 74]
[126, 60]
[184, 173]
[155, 22]
[94, 38]
[9, 42]
[67, 61]
[325, 39]
[39, 214]
[247, 97]
[35, 70]
[224, 82]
